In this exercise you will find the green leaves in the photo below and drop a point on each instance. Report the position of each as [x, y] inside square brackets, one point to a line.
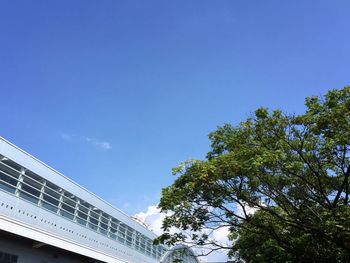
[294, 170]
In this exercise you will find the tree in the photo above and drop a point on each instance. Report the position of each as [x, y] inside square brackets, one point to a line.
[293, 170]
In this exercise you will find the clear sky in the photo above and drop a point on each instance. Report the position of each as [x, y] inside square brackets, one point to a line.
[115, 93]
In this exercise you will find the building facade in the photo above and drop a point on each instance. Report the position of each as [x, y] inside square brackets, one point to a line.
[41, 205]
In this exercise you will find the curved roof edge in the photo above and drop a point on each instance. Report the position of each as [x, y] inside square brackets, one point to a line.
[179, 247]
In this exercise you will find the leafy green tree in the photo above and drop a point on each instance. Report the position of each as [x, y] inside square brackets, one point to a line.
[292, 170]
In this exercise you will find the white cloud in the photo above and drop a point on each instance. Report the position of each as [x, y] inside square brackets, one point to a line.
[221, 235]
[66, 136]
[248, 209]
[100, 144]
[153, 219]
[93, 141]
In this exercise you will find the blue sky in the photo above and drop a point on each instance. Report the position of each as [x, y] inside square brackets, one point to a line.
[116, 93]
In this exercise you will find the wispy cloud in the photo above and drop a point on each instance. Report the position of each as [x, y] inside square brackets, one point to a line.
[100, 144]
[104, 145]
[66, 136]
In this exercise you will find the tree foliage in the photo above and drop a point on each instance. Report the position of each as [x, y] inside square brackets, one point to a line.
[293, 170]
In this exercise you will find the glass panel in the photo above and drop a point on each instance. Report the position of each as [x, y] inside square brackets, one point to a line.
[148, 247]
[115, 223]
[49, 206]
[9, 171]
[67, 208]
[66, 214]
[8, 178]
[122, 232]
[82, 215]
[142, 243]
[93, 220]
[137, 241]
[29, 197]
[129, 234]
[160, 251]
[12, 165]
[7, 183]
[104, 224]
[30, 190]
[154, 251]
[53, 187]
[50, 200]
[114, 228]
[112, 235]
[33, 177]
